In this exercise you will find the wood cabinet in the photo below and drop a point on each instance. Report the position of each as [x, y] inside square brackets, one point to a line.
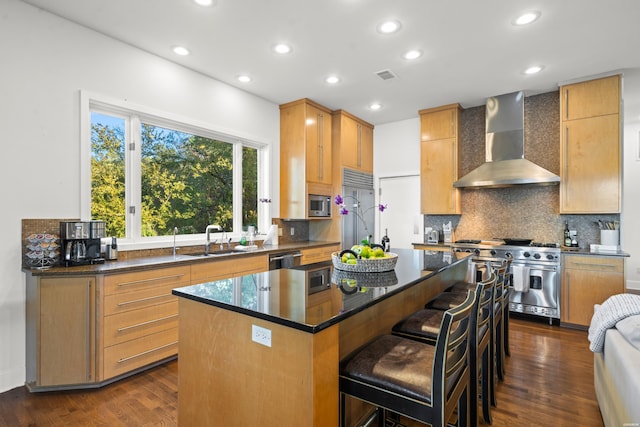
[439, 158]
[140, 322]
[61, 331]
[588, 280]
[305, 155]
[590, 151]
[323, 253]
[354, 138]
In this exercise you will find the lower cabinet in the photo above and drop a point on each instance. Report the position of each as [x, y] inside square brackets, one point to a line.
[140, 321]
[588, 280]
[60, 331]
[323, 253]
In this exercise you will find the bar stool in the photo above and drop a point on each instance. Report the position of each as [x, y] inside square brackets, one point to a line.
[417, 380]
[424, 326]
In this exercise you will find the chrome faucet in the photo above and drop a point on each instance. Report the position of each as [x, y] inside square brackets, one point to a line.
[175, 231]
[208, 230]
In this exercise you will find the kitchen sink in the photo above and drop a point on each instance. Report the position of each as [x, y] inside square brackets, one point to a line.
[214, 253]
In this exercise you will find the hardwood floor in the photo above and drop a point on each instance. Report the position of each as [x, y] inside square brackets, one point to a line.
[549, 382]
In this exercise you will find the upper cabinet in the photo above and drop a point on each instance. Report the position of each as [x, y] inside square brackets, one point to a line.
[305, 155]
[439, 155]
[354, 137]
[590, 150]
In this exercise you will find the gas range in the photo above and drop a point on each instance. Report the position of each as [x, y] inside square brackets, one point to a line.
[490, 249]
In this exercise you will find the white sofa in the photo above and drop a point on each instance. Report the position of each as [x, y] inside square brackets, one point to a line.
[615, 341]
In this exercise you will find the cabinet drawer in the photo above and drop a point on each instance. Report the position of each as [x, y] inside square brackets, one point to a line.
[310, 256]
[130, 325]
[594, 263]
[125, 357]
[127, 301]
[136, 281]
[224, 269]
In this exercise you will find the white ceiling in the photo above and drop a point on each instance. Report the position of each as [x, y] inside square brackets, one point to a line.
[471, 49]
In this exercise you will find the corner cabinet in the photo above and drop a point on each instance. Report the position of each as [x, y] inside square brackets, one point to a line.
[305, 155]
[439, 156]
[60, 332]
[588, 280]
[354, 137]
[590, 150]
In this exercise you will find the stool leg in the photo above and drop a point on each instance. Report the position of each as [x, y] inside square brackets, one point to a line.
[500, 350]
[486, 386]
[505, 318]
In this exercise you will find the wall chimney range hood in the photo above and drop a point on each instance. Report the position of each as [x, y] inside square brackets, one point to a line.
[505, 164]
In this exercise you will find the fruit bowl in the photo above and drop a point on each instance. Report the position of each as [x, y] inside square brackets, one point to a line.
[365, 265]
[352, 282]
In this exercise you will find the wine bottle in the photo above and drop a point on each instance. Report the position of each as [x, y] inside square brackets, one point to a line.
[386, 243]
[567, 234]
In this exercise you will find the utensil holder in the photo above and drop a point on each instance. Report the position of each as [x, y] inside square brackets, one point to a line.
[609, 237]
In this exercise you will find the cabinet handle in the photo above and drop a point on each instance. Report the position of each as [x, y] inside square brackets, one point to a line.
[359, 146]
[149, 322]
[566, 103]
[153, 279]
[120, 304]
[452, 118]
[124, 359]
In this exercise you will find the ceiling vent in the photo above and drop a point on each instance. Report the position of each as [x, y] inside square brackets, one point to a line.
[386, 74]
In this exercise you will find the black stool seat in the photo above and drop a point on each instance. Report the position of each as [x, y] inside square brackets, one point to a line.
[423, 323]
[447, 300]
[395, 364]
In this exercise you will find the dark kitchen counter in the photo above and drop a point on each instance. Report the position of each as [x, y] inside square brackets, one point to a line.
[151, 262]
[282, 296]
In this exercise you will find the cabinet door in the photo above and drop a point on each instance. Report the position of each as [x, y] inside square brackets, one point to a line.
[318, 146]
[66, 333]
[438, 124]
[349, 136]
[438, 171]
[591, 159]
[592, 98]
[366, 149]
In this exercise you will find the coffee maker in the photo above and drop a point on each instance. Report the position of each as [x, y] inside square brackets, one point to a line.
[81, 242]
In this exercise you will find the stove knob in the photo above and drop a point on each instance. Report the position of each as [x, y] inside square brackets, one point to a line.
[492, 252]
[476, 251]
[526, 254]
[508, 254]
[550, 256]
[536, 256]
[468, 250]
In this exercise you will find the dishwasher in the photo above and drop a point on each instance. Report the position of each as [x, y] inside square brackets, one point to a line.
[284, 260]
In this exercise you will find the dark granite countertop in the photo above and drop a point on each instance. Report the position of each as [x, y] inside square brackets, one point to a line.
[150, 262]
[281, 296]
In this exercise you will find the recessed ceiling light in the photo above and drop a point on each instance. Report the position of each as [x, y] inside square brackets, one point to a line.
[534, 69]
[204, 2]
[282, 48]
[388, 27]
[244, 78]
[332, 80]
[375, 106]
[180, 50]
[412, 54]
[527, 18]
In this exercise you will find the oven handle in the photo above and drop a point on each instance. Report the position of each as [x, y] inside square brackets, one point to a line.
[538, 268]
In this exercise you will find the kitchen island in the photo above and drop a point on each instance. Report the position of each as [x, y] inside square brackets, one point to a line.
[264, 349]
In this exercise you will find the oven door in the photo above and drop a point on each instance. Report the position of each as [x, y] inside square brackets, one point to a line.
[543, 296]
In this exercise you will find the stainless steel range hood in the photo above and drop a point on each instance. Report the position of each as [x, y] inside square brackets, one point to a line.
[504, 149]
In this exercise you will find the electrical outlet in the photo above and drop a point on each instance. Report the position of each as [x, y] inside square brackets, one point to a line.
[279, 231]
[261, 335]
[293, 231]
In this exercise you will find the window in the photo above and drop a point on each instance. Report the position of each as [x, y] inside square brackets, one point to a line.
[149, 175]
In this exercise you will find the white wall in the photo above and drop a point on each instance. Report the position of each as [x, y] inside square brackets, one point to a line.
[46, 61]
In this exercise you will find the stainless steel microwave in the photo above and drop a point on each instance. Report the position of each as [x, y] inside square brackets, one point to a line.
[319, 206]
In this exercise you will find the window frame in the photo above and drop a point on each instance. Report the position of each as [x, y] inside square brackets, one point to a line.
[134, 115]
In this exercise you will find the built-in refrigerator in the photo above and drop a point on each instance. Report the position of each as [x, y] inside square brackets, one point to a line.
[359, 198]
